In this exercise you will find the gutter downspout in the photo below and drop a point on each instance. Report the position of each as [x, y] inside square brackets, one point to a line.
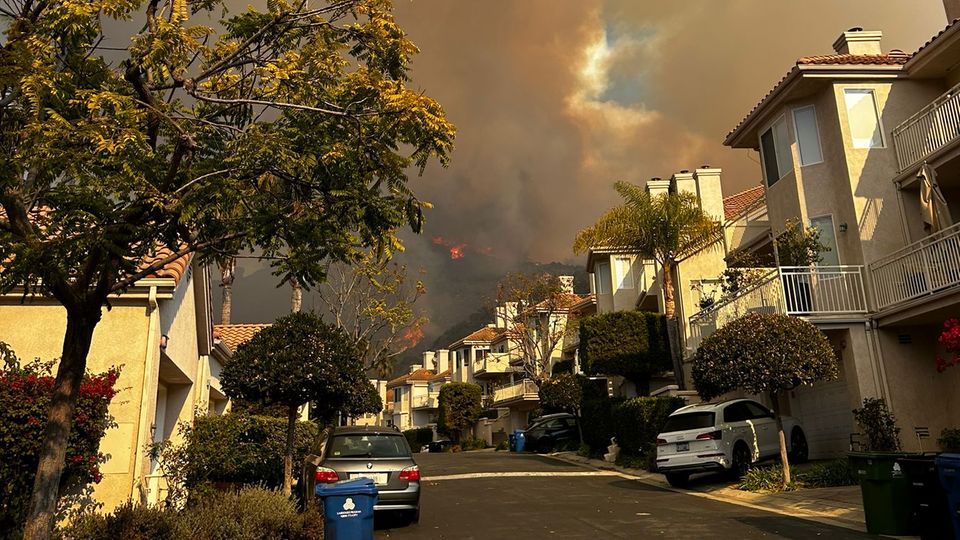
[138, 488]
[876, 352]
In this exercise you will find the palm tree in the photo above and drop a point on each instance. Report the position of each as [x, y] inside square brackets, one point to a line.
[668, 228]
[228, 266]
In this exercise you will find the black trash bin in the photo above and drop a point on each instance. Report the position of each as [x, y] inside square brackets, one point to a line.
[929, 510]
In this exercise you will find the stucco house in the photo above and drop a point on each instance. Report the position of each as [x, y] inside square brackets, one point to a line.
[160, 333]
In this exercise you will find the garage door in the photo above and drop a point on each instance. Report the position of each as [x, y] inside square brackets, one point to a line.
[826, 415]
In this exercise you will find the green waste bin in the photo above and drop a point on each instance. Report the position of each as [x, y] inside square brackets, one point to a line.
[887, 505]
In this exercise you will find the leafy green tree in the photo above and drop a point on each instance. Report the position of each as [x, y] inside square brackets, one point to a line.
[632, 344]
[668, 228]
[798, 245]
[459, 405]
[561, 393]
[764, 354]
[296, 360]
[289, 130]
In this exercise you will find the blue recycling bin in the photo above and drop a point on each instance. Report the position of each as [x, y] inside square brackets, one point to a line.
[513, 441]
[348, 509]
[521, 439]
[948, 467]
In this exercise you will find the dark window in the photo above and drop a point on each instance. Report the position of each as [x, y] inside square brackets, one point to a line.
[368, 446]
[736, 412]
[768, 149]
[757, 410]
[687, 421]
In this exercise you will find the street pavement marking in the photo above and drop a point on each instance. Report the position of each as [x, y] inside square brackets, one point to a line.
[467, 476]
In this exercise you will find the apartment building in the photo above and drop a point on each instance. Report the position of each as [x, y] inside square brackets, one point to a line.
[413, 396]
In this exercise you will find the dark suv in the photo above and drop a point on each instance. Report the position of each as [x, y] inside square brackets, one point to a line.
[379, 453]
[551, 432]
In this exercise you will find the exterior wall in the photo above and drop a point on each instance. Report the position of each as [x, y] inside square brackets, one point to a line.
[623, 299]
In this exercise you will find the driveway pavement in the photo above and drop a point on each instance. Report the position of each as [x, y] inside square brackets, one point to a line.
[486, 495]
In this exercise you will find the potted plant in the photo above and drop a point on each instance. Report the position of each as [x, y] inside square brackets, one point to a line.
[798, 247]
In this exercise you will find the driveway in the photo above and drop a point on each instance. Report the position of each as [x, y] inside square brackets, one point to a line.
[487, 495]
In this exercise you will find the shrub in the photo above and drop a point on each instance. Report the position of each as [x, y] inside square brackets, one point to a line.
[473, 444]
[127, 521]
[768, 479]
[562, 393]
[636, 422]
[459, 408]
[562, 366]
[25, 394]
[878, 426]
[418, 437]
[490, 414]
[949, 440]
[834, 473]
[596, 423]
[234, 448]
[632, 344]
[502, 445]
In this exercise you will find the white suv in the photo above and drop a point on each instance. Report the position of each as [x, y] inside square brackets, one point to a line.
[726, 436]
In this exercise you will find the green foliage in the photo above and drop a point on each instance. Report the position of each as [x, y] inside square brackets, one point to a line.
[637, 421]
[798, 245]
[743, 270]
[562, 366]
[251, 514]
[459, 408]
[762, 354]
[296, 360]
[418, 437]
[473, 444]
[502, 446]
[233, 448]
[878, 426]
[633, 344]
[562, 393]
[766, 479]
[834, 473]
[25, 393]
[949, 440]
[596, 420]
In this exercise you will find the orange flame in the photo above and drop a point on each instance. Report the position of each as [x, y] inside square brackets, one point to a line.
[413, 335]
[456, 252]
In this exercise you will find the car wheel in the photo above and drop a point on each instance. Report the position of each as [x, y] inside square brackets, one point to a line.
[741, 461]
[799, 451]
[678, 479]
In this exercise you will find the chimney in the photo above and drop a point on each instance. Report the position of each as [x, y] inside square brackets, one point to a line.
[428, 360]
[510, 313]
[708, 191]
[443, 360]
[501, 316]
[859, 41]
[684, 182]
[657, 186]
[952, 8]
[566, 284]
[414, 367]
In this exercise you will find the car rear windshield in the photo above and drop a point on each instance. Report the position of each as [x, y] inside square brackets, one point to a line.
[368, 446]
[687, 421]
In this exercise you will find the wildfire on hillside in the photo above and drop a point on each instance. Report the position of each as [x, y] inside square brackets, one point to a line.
[457, 250]
[413, 335]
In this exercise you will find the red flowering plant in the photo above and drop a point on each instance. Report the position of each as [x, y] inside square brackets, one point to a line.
[25, 393]
[950, 340]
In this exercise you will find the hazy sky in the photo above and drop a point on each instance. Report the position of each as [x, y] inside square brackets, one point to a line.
[556, 99]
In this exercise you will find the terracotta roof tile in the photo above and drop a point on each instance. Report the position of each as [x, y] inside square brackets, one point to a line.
[738, 203]
[174, 269]
[440, 376]
[936, 37]
[232, 335]
[483, 335]
[418, 375]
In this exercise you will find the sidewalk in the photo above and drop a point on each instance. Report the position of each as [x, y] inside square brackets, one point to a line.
[839, 506]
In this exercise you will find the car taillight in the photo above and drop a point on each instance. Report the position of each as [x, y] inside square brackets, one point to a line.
[410, 474]
[326, 476]
[713, 435]
[661, 442]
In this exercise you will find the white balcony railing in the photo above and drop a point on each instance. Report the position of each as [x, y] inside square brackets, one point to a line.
[930, 129]
[790, 290]
[425, 402]
[525, 389]
[920, 269]
[493, 363]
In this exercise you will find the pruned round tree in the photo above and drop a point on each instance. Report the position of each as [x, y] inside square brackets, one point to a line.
[632, 344]
[561, 393]
[764, 354]
[298, 360]
[460, 408]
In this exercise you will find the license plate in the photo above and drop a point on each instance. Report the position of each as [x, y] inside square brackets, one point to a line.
[378, 478]
[683, 446]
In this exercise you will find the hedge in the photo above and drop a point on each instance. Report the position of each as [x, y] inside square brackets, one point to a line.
[632, 344]
[418, 437]
[636, 422]
[459, 408]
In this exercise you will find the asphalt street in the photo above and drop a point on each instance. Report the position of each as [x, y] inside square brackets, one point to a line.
[486, 495]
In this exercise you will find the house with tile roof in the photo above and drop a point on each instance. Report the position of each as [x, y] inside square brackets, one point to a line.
[160, 333]
[414, 394]
[864, 145]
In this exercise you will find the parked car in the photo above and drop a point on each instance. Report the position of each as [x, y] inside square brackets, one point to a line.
[552, 431]
[381, 454]
[726, 436]
[437, 446]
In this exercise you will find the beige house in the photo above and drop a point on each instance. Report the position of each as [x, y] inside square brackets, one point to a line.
[160, 333]
[863, 144]
[414, 395]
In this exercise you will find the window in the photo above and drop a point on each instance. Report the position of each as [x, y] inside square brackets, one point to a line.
[687, 421]
[808, 136]
[368, 446]
[397, 395]
[862, 118]
[757, 411]
[824, 224]
[775, 151]
[602, 275]
[736, 412]
[624, 272]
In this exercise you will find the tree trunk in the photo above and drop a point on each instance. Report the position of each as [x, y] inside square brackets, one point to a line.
[296, 296]
[784, 458]
[288, 454]
[673, 326]
[53, 452]
[227, 268]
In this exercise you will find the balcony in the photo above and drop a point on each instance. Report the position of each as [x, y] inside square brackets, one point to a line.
[492, 364]
[924, 268]
[930, 130]
[808, 292]
[425, 402]
[525, 390]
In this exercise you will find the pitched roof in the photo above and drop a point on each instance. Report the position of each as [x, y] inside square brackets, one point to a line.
[175, 269]
[738, 203]
[232, 335]
[483, 335]
[936, 37]
[440, 376]
[418, 375]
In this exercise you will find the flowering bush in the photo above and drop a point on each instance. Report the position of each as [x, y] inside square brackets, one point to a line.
[950, 340]
[25, 393]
